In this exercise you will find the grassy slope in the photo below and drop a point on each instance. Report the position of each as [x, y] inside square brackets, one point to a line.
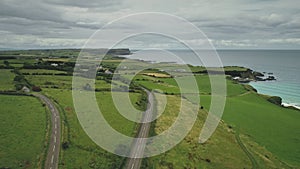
[271, 126]
[23, 125]
[221, 150]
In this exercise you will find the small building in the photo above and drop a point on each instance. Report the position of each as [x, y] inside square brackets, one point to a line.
[236, 78]
[54, 64]
[25, 89]
[99, 68]
[108, 72]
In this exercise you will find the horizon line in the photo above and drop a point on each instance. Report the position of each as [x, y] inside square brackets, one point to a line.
[136, 49]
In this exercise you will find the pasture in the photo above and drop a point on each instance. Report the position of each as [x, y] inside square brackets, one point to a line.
[23, 132]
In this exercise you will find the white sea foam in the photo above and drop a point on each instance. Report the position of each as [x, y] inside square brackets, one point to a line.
[291, 105]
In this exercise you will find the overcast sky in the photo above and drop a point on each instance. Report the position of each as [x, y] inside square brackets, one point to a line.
[250, 24]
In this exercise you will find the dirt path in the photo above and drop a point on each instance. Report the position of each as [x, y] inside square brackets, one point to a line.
[249, 155]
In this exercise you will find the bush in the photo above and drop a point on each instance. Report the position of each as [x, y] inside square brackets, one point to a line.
[6, 63]
[19, 78]
[18, 86]
[36, 89]
[65, 145]
[208, 160]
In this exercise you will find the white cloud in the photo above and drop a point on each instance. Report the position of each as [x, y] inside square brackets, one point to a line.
[284, 41]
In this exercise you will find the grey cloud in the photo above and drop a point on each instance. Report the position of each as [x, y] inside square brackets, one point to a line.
[232, 23]
[32, 10]
[85, 4]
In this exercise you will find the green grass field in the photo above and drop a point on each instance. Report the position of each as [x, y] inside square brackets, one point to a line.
[267, 124]
[220, 151]
[83, 152]
[170, 85]
[271, 126]
[269, 132]
[6, 79]
[22, 60]
[50, 81]
[32, 71]
[60, 82]
[23, 130]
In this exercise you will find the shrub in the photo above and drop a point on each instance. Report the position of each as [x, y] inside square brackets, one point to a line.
[19, 78]
[6, 63]
[18, 86]
[36, 89]
[208, 160]
[65, 145]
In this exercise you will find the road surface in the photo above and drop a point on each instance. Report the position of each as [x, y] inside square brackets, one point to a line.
[138, 146]
[51, 161]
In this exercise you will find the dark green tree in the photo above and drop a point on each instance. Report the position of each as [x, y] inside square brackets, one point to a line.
[6, 63]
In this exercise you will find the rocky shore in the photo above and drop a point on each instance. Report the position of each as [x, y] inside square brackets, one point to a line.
[248, 75]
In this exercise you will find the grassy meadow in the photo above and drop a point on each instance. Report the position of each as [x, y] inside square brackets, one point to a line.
[221, 149]
[170, 86]
[252, 129]
[272, 128]
[23, 132]
[6, 79]
[88, 154]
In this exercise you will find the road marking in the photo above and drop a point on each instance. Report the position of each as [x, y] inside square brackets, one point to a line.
[55, 119]
[55, 131]
[132, 166]
[55, 126]
[54, 139]
[53, 148]
[52, 159]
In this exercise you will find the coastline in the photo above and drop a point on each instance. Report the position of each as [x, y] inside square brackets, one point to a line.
[283, 104]
[251, 76]
[290, 105]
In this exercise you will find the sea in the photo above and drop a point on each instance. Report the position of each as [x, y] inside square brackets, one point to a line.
[284, 65]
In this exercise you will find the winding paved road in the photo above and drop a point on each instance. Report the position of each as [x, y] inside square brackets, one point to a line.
[138, 146]
[51, 161]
